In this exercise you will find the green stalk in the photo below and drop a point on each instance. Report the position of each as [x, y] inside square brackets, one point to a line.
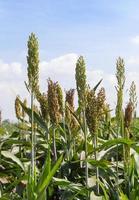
[63, 119]
[127, 163]
[70, 145]
[97, 169]
[65, 134]
[23, 137]
[117, 163]
[20, 148]
[32, 140]
[86, 149]
[74, 146]
[128, 121]
[54, 145]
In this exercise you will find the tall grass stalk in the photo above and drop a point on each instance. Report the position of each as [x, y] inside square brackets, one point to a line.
[86, 148]
[127, 124]
[54, 144]
[81, 85]
[94, 111]
[32, 138]
[120, 75]
[70, 121]
[33, 78]
[54, 111]
[18, 116]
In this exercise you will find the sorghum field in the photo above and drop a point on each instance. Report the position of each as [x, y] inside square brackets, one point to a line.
[61, 151]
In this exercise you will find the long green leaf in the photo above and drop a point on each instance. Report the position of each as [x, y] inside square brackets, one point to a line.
[46, 180]
[11, 156]
[99, 163]
[113, 142]
[46, 169]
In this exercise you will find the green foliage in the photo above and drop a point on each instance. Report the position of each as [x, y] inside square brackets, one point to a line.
[7, 128]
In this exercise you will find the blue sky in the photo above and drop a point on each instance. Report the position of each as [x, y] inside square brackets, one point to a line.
[100, 30]
[94, 28]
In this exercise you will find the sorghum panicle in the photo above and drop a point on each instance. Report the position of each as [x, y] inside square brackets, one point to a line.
[91, 111]
[53, 104]
[81, 81]
[18, 109]
[43, 101]
[120, 75]
[69, 101]
[33, 62]
[101, 97]
[60, 99]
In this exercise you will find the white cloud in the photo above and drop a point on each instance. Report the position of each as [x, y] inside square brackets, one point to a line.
[133, 60]
[11, 84]
[10, 71]
[60, 69]
[16, 68]
[61, 65]
[135, 40]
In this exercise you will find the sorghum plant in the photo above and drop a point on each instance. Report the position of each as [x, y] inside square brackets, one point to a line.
[94, 111]
[33, 78]
[127, 124]
[81, 86]
[53, 109]
[70, 121]
[120, 75]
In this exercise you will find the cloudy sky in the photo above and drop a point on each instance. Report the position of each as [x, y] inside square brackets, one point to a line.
[100, 30]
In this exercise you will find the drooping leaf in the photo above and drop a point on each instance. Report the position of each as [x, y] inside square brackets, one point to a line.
[11, 156]
[113, 142]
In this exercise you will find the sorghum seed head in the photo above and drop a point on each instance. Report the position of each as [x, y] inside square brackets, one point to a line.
[18, 109]
[60, 99]
[80, 77]
[33, 62]
[70, 98]
[53, 105]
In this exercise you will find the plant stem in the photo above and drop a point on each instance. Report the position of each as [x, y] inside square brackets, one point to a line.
[69, 145]
[32, 139]
[127, 162]
[86, 149]
[54, 145]
[95, 155]
[20, 138]
[117, 164]
[65, 134]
